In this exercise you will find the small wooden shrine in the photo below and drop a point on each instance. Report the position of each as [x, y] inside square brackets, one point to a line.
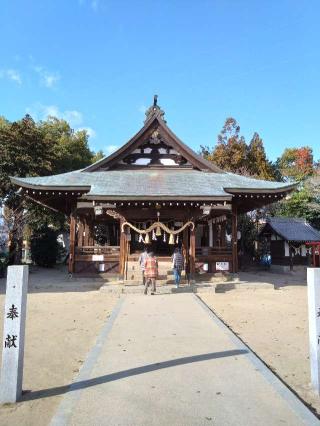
[154, 190]
[289, 241]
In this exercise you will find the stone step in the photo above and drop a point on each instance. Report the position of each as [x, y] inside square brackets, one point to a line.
[139, 289]
[138, 277]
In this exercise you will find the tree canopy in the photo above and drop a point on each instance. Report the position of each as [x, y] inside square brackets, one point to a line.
[36, 149]
[233, 154]
[296, 163]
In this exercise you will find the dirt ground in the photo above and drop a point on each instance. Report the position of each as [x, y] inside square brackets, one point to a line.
[274, 323]
[63, 321]
[64, 318]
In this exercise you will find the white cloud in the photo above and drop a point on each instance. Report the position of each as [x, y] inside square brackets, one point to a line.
[75, 118]
[111, 148]
[42, 112]
[92, 134]
[47, 78]
[12, 75]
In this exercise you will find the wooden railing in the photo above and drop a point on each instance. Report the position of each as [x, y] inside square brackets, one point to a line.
[209, 251]
[108, 250]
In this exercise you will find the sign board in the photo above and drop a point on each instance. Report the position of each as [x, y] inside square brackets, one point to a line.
[13, 334]
[97, 257]
[313, 276]
[101, 267]
[222, 266]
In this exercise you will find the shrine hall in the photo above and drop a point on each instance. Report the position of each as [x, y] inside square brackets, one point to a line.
[153, 191]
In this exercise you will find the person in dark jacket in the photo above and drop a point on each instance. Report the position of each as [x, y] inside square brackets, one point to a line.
[177, 265]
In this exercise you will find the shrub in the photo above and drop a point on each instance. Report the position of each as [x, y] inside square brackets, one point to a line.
[45, 249]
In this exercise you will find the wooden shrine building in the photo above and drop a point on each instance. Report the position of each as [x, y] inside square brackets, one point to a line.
[153, 190]
[289, 241]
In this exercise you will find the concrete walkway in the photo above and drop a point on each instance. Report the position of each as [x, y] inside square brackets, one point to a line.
[167, 360]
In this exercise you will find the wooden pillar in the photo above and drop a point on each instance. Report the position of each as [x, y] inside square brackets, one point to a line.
[215, 235]
[223, 234]
[192, 254]
[80, 233]
[91, 240]
[185, 244]
[210, 233]
[85, 232]
[72, 243]
[291, 258]
[234, 239]
[122, 255]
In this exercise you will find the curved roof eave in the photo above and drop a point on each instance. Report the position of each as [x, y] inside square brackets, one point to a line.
[237, 190]
[25, 184]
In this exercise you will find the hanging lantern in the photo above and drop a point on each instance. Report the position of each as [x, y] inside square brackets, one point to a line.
[147, 239]
[171, 239]
[158, 231]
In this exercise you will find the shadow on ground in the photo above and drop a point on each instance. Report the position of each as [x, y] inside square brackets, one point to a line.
[46, 393]
[56, 280]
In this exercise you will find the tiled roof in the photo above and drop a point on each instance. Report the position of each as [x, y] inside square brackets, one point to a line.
[153, 182]
[293, 229]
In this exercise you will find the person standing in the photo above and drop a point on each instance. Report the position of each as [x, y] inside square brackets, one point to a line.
[177, 265]
[151, 273]
[142, 261]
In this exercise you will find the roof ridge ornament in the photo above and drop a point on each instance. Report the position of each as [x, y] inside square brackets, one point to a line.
[154, 110]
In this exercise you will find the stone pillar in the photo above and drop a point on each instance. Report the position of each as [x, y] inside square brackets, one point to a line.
[13, 334]
[313, 275]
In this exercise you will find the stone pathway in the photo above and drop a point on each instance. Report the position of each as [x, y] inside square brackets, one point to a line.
[167, 360]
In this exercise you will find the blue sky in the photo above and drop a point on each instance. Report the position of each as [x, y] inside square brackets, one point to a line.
[98, 64]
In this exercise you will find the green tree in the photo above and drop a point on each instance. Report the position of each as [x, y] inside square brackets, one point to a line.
[99, 155]
[23, 152]
[303, 203]
[36, 149]
[71, 152]
[45, 249]
[71, 149]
